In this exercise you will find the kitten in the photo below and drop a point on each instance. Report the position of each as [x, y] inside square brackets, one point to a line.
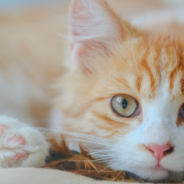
[121, 96]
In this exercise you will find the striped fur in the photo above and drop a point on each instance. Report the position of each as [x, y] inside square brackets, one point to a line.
[147, 65]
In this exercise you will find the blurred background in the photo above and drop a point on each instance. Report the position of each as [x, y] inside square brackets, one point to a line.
[7, 4]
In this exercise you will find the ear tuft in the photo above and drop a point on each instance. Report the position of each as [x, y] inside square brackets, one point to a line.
[90, 19]
[94, 29]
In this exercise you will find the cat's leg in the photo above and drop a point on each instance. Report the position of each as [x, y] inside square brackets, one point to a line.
[21, 145]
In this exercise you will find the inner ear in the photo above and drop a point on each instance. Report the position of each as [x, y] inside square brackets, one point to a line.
[94, 30]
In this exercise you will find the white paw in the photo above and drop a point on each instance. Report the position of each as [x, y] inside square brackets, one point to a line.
[21, 145]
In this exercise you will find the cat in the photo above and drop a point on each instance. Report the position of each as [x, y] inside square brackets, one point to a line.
[120, 96]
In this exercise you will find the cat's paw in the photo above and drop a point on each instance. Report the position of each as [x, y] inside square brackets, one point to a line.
[21, 145]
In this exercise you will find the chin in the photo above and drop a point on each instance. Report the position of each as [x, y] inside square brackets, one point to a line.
[153, 175]
[159, 175]
[148, 174]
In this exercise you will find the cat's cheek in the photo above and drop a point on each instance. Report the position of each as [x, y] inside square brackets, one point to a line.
[175, 161]
[152, 175]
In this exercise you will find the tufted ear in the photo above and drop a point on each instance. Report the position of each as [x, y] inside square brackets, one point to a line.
[94, 29]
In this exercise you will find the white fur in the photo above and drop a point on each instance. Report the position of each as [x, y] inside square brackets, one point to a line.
[36, 147]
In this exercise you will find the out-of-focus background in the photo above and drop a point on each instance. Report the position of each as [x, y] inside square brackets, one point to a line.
[7, 4]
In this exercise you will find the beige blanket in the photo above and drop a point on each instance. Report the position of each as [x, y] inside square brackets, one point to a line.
[43, 176]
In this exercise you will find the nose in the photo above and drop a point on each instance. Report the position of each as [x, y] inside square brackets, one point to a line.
[160, 151]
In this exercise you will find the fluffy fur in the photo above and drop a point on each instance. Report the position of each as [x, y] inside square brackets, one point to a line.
[21, 145]
[107, 56]
[147, 65]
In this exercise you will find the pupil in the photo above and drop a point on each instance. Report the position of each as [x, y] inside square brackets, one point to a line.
[183, 107]
[124, 103]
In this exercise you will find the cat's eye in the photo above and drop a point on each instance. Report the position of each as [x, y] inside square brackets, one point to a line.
[124, 105]
[181, 111]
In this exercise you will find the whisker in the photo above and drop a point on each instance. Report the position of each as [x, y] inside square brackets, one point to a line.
[105, 153]
[101, 171]
[106, 159]
[80, 141]
[117, 175]
[86, 141]
[101, 151]
[80, 135]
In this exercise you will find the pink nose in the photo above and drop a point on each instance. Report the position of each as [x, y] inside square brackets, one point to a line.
[160, 151]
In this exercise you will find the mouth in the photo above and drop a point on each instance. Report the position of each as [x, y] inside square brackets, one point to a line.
[158, 167]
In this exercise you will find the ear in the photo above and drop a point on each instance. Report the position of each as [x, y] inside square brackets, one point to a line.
[94, 29]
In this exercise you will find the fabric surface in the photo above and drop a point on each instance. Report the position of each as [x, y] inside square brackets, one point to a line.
[43, 176]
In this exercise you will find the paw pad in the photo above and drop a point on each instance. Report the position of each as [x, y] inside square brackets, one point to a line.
[17, 139]
[18, 156]
[21, 145]
[2, 129]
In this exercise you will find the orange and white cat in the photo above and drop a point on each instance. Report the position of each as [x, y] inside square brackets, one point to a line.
[121, 95]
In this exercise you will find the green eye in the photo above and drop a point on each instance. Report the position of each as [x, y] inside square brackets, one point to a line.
[124, 105]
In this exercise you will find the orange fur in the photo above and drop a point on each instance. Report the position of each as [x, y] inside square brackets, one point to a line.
[115, 75]
[86, 90]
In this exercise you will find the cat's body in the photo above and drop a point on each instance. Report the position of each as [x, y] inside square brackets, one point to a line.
[120, 95]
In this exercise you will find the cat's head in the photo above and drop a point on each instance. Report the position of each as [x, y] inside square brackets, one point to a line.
[127, 87]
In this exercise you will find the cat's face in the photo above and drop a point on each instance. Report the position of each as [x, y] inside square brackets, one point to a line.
[127, 90]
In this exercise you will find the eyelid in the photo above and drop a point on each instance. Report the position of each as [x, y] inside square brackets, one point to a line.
[137, 112]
